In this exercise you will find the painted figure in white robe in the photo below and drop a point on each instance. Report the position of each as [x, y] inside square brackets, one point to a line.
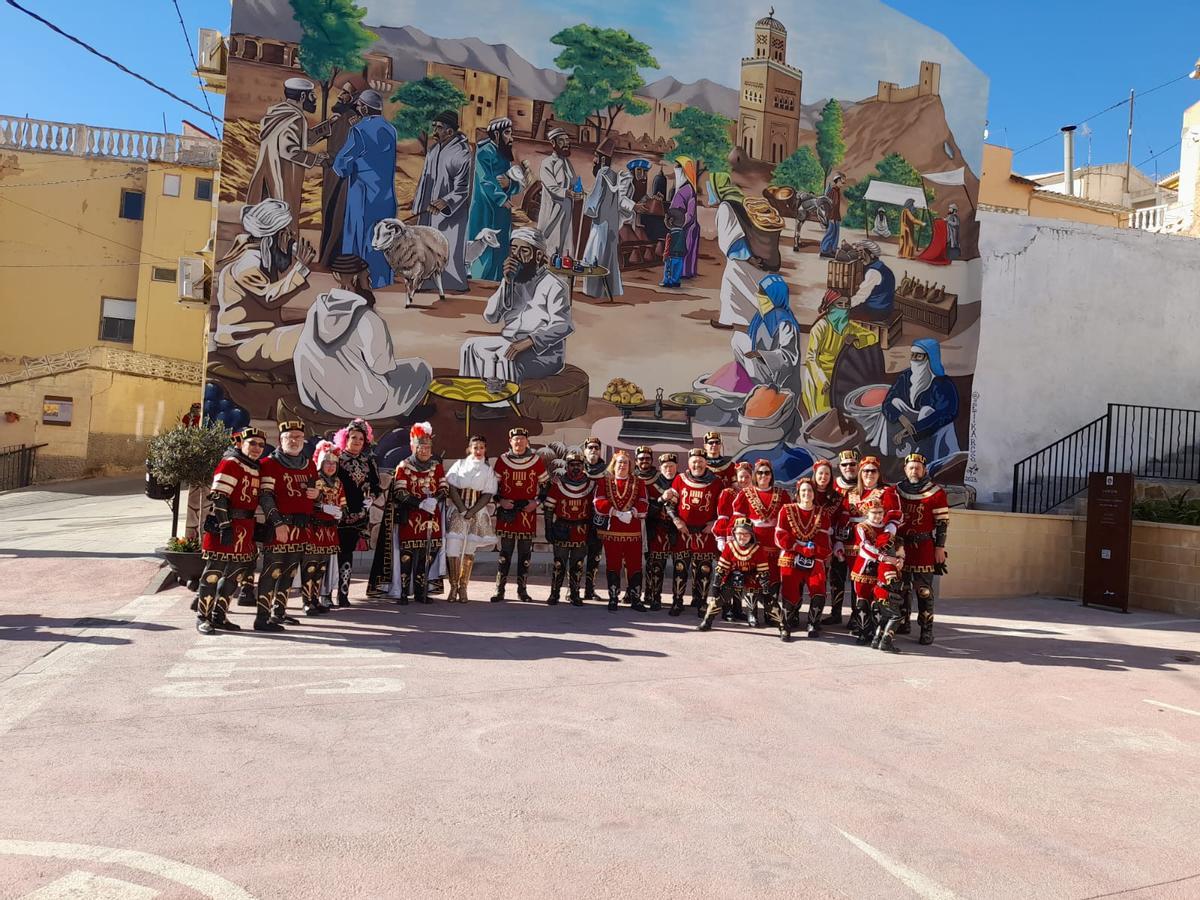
[739, 282]
[443, 196]
[534, 310]
[609, 202]
[345, 362]
[556, 210]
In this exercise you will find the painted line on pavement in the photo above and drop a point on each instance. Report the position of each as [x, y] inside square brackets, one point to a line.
[201, 881]
[1190, 712]
[90, 886]
[915, 881]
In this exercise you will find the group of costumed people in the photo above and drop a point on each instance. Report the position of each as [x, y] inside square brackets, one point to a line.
[743, 547]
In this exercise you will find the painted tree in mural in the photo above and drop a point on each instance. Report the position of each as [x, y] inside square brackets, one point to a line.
[420, 102]
[332, 40]
[703, 136]
[831, 146]
[604, 66]
[800, 171]
[895, 169]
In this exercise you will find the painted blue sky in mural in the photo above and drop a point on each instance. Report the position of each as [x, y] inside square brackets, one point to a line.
[844, 47]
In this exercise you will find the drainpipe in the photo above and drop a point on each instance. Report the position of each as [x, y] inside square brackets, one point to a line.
[1068, 132]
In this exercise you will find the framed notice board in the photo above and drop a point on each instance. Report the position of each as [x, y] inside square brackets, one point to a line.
[1109, 543]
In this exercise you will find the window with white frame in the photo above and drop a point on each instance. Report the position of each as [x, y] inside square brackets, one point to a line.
[116, 320]
[171, 184]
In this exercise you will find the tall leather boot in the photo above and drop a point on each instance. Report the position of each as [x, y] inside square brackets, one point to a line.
[464, 577]
[503, 564]
[453, 575]
[614, 590]
[634, 594]
[816, 603]
[262, 615]
[524, 553]
[343, 591]
[925, 623]
[556, 581]
[837, 592]
[905, 626]
[879, 615]
[654, 585]
[592, 568]
[574, 577]
[785, 622]
[709, 615]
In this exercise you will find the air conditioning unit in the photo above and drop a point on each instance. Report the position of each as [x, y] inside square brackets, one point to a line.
[193, 282]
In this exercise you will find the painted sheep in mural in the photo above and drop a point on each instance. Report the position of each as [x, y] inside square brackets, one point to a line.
[416, 253]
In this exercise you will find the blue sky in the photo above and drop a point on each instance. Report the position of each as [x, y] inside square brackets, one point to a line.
[1049, 64]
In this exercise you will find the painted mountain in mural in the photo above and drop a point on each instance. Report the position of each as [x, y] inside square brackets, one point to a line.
[705, 94]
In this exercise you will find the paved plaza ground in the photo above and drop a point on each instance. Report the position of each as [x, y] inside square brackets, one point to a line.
[1038, 749]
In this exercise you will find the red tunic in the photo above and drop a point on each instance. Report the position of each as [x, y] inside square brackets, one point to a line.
[874, 546]
[854, 511]
[621, 495]
[762, 509]
[240, 483]
[413, 524]
[795, 528]
[725, 512]
[923, 510]
[697, 507]
[520, 479]
[572, 507]
[753, 562]
[724, 469]
[323, 535]
[660, 532]
[289, 487]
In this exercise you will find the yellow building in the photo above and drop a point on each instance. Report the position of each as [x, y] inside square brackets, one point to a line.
[487, 95]
[1000, 190]
[97, 353]
[769, 106]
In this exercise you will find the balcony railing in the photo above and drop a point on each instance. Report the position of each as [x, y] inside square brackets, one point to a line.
[1149, 218]
[42, 136]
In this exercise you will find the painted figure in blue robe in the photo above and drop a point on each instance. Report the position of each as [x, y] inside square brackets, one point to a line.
[497, 181]
[922, 405]
[833, 231]
[368, 163]
[875, 298]
[769, 349]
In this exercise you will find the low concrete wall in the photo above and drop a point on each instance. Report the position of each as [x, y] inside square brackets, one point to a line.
[996, 554]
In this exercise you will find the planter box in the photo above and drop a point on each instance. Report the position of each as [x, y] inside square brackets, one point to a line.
[186, 566]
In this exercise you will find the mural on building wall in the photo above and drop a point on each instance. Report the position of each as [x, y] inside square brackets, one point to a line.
[632, 228]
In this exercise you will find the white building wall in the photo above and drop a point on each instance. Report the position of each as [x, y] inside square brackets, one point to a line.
[1075, 317]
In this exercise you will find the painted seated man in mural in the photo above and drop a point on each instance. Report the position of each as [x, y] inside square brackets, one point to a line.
[443, 196]
[769, 348]
[875, 298]
[829, 336]
[534, 309]
[921, 406]
[263, 269]
[345, 363]
[368, 163]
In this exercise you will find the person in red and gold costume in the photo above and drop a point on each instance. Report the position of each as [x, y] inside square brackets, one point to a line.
[522, 479]
[761, 503]
[843, 483]
[825, 495]
[876, 575]
[645, 471]
[286, 497]
[719, 464]
[695, 515]
[418, 488]
[743, 477]
[662, 538]
[596, 468]
[743, 570]
[621, 499]
[926, 522]
[868, 488]
[568, 512]
[802, 536]
[228, 543]
[329, 508]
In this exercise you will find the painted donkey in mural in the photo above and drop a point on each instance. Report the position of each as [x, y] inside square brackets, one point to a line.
[802, 206]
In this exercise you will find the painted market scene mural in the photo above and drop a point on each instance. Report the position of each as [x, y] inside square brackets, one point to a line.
[758, 221]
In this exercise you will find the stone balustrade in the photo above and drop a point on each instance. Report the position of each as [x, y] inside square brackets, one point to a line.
[42, 136]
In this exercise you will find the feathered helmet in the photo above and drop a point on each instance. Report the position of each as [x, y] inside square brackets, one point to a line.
[362, 426]
[419, 432]
[325, 450]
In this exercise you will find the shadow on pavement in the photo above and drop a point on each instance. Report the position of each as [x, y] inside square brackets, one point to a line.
[13, 553]
[33, 627]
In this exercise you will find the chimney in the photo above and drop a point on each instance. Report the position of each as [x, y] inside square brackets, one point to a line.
[1068, 132]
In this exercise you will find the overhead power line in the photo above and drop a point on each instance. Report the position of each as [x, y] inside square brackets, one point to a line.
[1107, 109]
[196, 68]
[108, 59]
[78, 227]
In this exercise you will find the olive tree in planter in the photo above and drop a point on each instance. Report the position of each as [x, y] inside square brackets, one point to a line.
[185, 456]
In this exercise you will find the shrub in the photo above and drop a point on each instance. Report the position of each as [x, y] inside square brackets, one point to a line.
[186, 455]
[1174, 511]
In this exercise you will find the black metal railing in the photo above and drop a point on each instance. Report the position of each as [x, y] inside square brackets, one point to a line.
[18, 466]
[1145, 441]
